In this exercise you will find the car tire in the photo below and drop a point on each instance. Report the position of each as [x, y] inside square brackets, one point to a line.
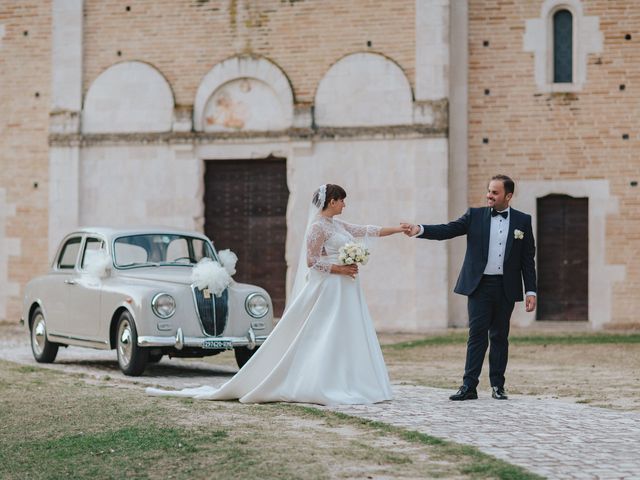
[132, 359]
[43, 350]
[243, 354]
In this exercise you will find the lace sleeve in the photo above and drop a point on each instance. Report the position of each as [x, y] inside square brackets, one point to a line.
[315, 241]
[359, 231]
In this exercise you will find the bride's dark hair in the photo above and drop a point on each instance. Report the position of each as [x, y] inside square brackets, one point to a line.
[333, 192]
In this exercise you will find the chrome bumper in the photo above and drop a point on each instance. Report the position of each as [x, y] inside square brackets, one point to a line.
[251, 341]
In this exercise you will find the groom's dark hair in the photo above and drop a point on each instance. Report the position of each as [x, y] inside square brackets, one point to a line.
[509, 185]
[334, 192]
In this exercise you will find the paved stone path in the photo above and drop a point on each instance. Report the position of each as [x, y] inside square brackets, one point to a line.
[552, 438]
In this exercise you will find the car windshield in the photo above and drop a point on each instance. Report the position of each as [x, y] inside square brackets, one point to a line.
[159, 249]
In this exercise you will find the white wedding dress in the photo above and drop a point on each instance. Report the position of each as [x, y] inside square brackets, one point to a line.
[324, 350]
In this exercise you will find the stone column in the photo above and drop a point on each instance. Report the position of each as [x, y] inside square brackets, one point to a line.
[66, 94]
[458, 149]
[432, 49]
[441, 76]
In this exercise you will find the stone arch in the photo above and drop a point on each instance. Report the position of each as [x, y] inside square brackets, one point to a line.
[549, 7]
[128, 97]
[364, 89]
[538, 38]
[243, 93]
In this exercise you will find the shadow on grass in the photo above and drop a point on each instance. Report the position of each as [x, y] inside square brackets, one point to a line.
[152, 370]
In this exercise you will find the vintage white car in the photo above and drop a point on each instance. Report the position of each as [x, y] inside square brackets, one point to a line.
[133, 291]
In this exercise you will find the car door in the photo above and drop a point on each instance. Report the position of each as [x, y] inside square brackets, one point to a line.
[62, 281]
[85, 294]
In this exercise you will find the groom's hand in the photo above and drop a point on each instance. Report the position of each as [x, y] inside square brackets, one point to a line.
[409, 229]
[530, 303]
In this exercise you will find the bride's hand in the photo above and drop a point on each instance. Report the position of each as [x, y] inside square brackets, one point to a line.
[385, 231]
[409, 229]
[349, 270]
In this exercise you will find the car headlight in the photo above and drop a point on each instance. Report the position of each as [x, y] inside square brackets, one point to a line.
[163, 305]
[257, 305]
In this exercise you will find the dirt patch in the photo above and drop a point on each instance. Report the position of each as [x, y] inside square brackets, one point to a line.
[604, 375]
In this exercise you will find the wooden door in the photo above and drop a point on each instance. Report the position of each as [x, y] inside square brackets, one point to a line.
[563, 258]
[245, 211]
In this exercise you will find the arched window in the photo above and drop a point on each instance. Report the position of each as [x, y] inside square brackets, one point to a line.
[563, 47]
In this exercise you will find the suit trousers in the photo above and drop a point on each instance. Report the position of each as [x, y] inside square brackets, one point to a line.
[489, 316]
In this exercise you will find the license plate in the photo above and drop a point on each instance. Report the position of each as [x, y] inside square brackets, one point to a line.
[217, 345]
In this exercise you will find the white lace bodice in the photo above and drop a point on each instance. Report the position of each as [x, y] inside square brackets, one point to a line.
[327, 235]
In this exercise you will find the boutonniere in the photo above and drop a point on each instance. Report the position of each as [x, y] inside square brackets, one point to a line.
[518, 234]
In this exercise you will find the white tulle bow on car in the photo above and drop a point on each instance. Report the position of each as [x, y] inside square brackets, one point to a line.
[228, 260]
[211, 275]
[97, 262]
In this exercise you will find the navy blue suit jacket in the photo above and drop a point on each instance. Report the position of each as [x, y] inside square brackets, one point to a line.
[519, 264]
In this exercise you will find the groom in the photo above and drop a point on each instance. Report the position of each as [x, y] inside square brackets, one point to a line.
[500, 255]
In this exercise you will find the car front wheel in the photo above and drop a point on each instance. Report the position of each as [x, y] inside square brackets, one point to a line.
[43, 350]
[131, 358]
[243, 354]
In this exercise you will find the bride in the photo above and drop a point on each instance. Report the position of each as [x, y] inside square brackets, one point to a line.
[324, 349]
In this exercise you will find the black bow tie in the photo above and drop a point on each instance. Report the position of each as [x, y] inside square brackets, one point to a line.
[504, 214]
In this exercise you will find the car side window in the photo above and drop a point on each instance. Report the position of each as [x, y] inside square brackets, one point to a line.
[69, 253]
[91, 249]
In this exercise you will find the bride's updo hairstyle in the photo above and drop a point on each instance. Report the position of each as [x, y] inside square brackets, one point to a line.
[331, 192]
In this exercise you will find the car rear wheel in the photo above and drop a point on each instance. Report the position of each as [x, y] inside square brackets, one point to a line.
[43, 350]
[131, 358]
[243, 354]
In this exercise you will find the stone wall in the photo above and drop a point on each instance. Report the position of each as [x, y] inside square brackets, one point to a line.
[583, 141]
[144, 92]
[25, 79]
[184, 39]
[579, 141]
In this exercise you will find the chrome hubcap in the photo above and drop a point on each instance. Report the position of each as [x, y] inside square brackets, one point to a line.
[124, 343]
[38, 334]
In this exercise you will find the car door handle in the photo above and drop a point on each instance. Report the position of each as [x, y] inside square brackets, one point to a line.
[70, 282]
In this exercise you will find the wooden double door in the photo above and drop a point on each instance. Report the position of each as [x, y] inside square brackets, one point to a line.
[563, 258]
[245, 211]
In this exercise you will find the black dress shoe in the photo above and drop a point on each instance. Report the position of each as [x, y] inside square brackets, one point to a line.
[498, 393]
[465, 393]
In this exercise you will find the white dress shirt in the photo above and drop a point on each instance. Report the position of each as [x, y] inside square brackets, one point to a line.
[497, 244]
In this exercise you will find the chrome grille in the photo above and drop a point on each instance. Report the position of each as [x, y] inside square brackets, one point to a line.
[213, 311]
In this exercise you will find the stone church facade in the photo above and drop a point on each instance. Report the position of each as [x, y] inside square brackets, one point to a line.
[224, 116]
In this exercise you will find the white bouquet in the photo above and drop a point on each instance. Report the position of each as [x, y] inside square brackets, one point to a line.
[351, 253]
